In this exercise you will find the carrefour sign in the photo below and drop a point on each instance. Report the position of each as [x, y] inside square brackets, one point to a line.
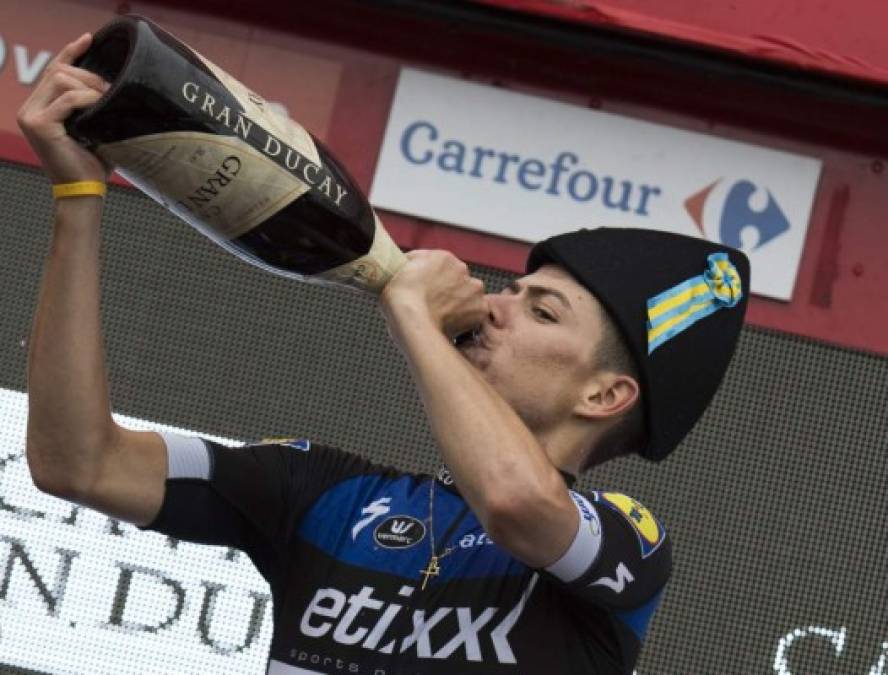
[526, 168]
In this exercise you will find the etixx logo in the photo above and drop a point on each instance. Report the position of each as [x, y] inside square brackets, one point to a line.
[739, 214]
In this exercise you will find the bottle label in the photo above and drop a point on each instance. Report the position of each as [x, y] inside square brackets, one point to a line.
[226, 183]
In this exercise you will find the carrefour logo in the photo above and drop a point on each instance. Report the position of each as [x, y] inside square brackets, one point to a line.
[739, 214]
[563, 175]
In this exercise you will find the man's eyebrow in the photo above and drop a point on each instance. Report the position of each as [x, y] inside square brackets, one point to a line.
[537, 291]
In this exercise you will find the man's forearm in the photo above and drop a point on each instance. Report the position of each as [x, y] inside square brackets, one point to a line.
[69, 413]
[494, 458]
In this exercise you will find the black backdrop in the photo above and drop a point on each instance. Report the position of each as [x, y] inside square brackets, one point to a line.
[776, 501]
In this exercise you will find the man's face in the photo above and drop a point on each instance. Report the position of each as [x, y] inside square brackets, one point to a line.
[537, 346]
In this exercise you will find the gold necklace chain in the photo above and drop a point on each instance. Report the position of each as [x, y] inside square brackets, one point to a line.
[433, 568]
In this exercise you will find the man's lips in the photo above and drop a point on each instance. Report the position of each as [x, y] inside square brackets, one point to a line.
[472, 338]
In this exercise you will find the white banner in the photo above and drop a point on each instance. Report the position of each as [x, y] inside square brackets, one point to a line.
[83, 593]
[526, 168]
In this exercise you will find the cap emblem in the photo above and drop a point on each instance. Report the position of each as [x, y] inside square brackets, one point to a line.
[673, 311]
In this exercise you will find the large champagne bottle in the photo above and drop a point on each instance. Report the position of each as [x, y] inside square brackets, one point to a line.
[216, 154]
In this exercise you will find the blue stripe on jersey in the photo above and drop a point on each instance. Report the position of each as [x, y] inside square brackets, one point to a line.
[343, 520]
[638, 619]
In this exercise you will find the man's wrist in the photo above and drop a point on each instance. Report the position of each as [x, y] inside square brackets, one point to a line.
[78, 213]
[409, 320]
[407, 308]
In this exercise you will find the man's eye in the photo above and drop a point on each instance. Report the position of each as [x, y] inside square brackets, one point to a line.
[544, 314]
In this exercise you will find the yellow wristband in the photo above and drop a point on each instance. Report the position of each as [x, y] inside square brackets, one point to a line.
[83, 188]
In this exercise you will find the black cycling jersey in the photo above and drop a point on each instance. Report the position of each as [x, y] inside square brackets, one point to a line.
[342, 543]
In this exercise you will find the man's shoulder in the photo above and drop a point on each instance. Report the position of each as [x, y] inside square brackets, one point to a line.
[638, 518]
[347, 460]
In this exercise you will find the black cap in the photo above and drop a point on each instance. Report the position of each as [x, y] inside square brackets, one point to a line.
[679, 303]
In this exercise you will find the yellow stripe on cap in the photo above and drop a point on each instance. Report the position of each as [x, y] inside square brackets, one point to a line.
[670, 303]
[678, 318]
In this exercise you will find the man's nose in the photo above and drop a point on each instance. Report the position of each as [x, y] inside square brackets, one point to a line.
[498, 309]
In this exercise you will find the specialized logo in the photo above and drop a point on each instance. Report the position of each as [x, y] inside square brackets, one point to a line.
[649, 530]
[399, 532]
[373, 510]
[474, 633]
[742, 214]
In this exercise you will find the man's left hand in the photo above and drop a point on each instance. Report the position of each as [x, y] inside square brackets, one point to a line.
[434, 286]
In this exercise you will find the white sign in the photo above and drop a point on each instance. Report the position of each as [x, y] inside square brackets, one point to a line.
[83, 593]
[527, 168]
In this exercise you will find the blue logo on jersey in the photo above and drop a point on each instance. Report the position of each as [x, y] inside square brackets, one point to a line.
[399, 532]
[737, 219]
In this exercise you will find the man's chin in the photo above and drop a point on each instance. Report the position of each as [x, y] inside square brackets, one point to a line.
[467, 350]
[474, 354]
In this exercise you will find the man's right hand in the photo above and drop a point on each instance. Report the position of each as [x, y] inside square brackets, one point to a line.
[63, 88]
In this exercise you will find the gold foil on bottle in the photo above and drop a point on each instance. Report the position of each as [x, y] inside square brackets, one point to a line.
[372, 271]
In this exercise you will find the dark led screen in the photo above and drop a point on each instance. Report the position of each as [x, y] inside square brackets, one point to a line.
[776, 502]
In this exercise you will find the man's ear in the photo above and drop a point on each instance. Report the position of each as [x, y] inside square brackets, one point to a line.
[608, 394]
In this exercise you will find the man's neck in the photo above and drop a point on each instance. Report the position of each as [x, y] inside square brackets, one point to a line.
[565, 448]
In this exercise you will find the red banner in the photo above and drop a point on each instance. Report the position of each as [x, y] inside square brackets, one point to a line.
[839, 37]
[343, 95]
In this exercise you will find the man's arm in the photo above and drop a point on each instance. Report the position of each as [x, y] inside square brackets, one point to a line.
[500, 468]
[74, 448]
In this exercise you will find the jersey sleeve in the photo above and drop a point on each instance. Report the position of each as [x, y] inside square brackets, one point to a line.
[620, 558]
[250, 498]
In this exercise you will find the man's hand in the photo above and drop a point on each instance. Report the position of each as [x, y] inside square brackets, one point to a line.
[62, 89]
[434, 286]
